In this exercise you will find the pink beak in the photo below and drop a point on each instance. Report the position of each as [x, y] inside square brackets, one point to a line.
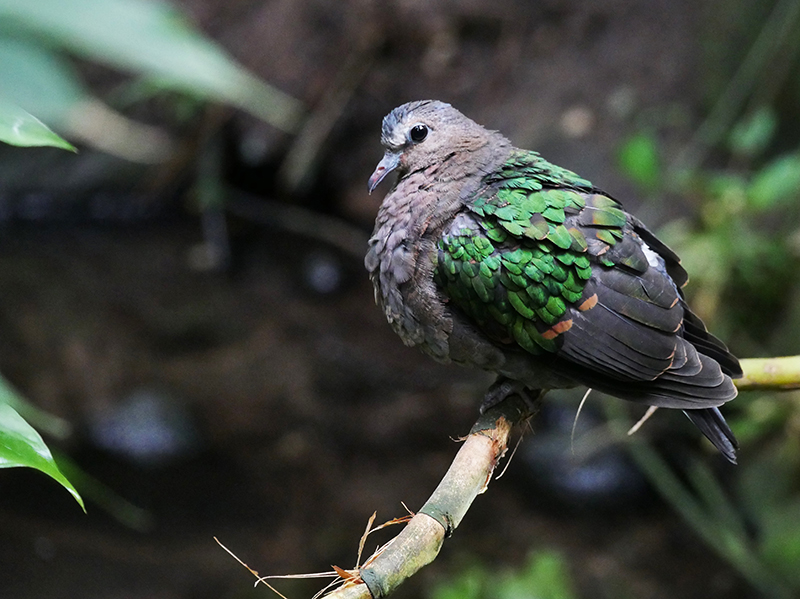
[388, 163]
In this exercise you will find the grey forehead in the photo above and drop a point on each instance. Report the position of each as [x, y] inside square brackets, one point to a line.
[403, 114]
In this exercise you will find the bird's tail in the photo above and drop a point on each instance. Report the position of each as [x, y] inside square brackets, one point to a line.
[712, 424]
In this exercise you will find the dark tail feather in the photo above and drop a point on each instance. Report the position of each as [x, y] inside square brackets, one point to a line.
[695, 332]
[712, 424]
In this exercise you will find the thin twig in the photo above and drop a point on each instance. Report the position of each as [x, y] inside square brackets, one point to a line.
[364, 538]
[253, 572]
[650, 411]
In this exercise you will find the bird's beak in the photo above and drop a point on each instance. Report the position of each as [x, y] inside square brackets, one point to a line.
[388, 163]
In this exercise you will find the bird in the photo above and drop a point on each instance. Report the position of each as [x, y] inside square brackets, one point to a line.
[489, 256]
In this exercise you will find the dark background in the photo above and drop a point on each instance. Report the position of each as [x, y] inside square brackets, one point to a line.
[261, 398]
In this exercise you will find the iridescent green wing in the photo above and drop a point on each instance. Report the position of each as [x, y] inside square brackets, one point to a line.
[527, 170]
[513, 263]
[542, 261]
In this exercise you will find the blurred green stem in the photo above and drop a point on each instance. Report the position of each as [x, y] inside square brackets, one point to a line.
[211, 197]
[107, 499]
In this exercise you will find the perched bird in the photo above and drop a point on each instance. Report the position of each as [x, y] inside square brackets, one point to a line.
[489, 256]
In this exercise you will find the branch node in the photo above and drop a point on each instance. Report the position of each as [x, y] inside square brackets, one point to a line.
[443, 517]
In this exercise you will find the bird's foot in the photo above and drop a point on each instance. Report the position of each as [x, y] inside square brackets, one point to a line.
[504, 387]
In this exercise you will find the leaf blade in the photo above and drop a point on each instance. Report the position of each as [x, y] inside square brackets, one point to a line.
[21, 445]
[20, 128]
[150, 38]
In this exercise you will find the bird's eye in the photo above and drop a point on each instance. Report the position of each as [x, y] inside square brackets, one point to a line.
[418, 133]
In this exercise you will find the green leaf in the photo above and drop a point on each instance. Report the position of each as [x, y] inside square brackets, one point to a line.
[39, 80]
[149, 38]
[21, 445]
[20, 128]
[752, 135]
[778, 182]
[638, 159]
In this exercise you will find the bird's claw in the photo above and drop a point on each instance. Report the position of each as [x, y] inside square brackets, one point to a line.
[503, 388]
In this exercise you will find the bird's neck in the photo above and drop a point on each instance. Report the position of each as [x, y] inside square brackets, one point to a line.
[436, 193]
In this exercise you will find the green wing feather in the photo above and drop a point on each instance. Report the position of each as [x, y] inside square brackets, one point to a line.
[512, 263]
[542, 260]
[537, 249]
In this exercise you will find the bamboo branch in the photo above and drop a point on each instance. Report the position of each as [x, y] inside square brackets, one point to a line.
[420, 541]
[770, 374]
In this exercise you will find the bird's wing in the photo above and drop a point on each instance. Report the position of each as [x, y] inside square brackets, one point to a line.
[564, 272]
[694, 330]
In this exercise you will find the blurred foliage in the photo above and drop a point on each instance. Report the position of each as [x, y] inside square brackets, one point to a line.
[104, 497]
[751, 136]
[146, 38]
[742, 251]
[746, 235]
[716, 514]
[768, 494]
[638, 158]
[38, 80]
[545, 576]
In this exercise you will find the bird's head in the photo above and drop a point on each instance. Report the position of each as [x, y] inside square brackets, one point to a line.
[425, 133]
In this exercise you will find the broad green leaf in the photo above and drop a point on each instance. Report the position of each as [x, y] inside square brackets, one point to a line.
[39, 80]
[21, 445]
[778, 182]
[751, 135]
[149, 38]
[638, 159]
[20, 128]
